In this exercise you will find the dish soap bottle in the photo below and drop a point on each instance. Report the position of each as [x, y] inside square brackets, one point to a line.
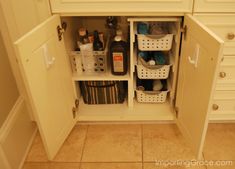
[118, 56]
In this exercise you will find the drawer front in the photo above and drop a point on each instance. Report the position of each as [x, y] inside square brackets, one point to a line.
[225, 32]
[227, 70]
[227, 86]
[224, 105]
[227, 73]
[109, 7]
[214, 6]
[223, 25]
[224, 95]
[224, 102]
[229, 49]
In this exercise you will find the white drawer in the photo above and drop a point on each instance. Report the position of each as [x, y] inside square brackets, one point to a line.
[224, 95]
[227, 86]
[224, 102]
[227, 70]
[223, 25]
[226, 76]
[224, 105]
[226, 73]
[214, 6]
[113, 7]
[229, 49]
[225, 32]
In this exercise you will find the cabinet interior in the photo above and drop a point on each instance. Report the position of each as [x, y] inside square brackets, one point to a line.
[131, 109]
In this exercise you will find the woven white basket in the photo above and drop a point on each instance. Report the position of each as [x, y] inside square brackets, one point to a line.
[155, 42]
[100, 65]
[145, 73]
[152, 72]
[151, 96]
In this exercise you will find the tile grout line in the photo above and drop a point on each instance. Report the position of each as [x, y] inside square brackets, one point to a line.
[142, 146]
[83, 148]
[60, 162]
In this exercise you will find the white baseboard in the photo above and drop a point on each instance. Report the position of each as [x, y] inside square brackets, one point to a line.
[28, 149]
[11, 118]
[18, 121]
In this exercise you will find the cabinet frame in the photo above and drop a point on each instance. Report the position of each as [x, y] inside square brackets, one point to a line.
[197, 144]
[110, 7]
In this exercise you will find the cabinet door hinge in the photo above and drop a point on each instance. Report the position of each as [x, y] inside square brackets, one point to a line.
[184, 31]
[61, 29]
[76, 103]
[74, 112]
[176, 112]
[75, 108]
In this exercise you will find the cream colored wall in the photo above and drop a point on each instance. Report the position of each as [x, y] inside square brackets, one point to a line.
[8, 89]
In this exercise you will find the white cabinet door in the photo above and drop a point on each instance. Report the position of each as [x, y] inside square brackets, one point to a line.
[115, 7]
[214, 6]
[45, 69]
[200, 55]
[22, 16]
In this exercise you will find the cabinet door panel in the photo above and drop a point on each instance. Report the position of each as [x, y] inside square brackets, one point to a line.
[46, 73]
[201, 52]
[109, 7]
[214, 6]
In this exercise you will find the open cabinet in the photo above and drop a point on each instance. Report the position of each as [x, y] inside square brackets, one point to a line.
[44, 63]
[223, 26]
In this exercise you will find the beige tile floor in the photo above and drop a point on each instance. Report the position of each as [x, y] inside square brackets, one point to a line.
[131, 147]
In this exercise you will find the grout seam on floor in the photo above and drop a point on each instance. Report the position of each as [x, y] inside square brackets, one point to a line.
[83, 146]
[128, 162]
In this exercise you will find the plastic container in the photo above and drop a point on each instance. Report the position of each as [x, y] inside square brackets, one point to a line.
[144, 96]
[145, 71]
[151, 96]
[155, 42]
[118, 56]
[99, 61]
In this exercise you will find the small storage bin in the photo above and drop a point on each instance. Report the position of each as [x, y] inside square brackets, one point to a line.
[100, 57]
[152, 96]
[155, 42]
[100, 61]
[152, 72]
[103, 92]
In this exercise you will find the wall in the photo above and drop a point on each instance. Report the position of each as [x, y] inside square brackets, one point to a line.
[8, 89]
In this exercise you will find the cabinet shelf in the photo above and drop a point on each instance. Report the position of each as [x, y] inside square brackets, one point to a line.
[99, 76]
[121, 112]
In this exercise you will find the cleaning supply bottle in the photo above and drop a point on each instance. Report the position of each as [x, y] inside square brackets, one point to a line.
[97, 44]
[118, 56]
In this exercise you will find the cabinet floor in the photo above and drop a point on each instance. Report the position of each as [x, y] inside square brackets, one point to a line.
[123, 146]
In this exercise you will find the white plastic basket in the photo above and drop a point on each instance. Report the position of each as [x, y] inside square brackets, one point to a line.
[155, 42]
[99, 66]
[152, 72]
[151, 96]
